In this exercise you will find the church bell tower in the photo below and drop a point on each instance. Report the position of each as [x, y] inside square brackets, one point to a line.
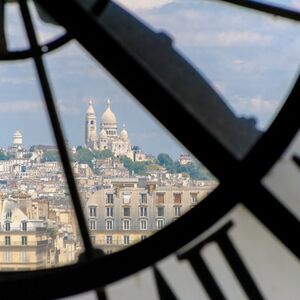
[90, 127]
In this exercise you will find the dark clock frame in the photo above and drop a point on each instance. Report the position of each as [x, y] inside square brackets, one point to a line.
[94, 270]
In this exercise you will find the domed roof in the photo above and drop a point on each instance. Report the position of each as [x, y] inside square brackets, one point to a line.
[124, 134]
[90, 109]
[17, 134]
[102, 134]
[108, 116]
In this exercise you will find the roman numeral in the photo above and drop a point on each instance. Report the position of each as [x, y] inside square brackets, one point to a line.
[233, 258]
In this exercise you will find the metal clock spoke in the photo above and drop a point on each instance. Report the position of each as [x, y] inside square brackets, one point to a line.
[49, 101]
[177, 89]
[41, 49]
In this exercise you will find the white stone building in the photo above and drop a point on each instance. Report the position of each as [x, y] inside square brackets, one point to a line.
[108, 137]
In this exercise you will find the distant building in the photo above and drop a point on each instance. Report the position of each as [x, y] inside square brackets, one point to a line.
[25, 244]
[140, 155]
[110, 167]
[17, 139]
[108, 137]
[184, 159]
[17, 150]
[131, 209]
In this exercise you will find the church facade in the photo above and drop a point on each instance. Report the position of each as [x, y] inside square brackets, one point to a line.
[108, 137]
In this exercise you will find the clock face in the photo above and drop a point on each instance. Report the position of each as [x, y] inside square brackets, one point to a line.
[241, 240]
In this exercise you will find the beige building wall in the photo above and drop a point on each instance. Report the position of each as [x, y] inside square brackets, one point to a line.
[127, 213]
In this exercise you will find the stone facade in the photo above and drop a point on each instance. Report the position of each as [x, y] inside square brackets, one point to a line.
[132, 209]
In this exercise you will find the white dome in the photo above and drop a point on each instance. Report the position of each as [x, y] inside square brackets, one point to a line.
[102, 134]
[124, 134]
[18, 134]
[108, 116]
[90, 110]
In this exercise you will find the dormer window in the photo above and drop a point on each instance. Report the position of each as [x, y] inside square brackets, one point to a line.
[160, 197]
[144, 198]
[8, 214]
[93, 212]
[24, 226]
[177, 197]
[194, 197]
[7, 226]
[110, 198]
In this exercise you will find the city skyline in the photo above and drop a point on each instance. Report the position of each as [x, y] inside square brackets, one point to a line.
[87, 102]
[232, 57]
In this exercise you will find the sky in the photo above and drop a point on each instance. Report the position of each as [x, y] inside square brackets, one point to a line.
[250, 59]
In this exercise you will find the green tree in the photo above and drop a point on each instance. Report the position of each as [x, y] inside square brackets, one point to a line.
[139, 168]
[3, 156]
[166, 161]
[195, 170]
[84, 156]
[103, 154]
[50, 155]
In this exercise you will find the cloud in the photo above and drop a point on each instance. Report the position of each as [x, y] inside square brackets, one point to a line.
[16, 81]
[68, 108]
[143, 4]
[223, 39]
[295, 4]
[26, 106]
[219, 87]
[258, 107]
[248, 65]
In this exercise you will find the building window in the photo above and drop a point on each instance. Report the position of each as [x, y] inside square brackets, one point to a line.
[24, 240]
[160, 198]
[177, 197]
[7, 256]
[109, 239]
[143, 225]
[160, 224]
[126, 240]
[23, 257]
[109, 211]
[110, 198]
[143, 237]
[143, 211]
[93, 211]
[7, 226]
[160, 211]
[7, 240]
[126, 197]
[126, 224]
[126, 212]
[92, 122]
[143, 198]
[109, 224]
[194, 197]
[24, 226]
[92, 224]
[109, 251]
[93, 239]
[177, 212]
